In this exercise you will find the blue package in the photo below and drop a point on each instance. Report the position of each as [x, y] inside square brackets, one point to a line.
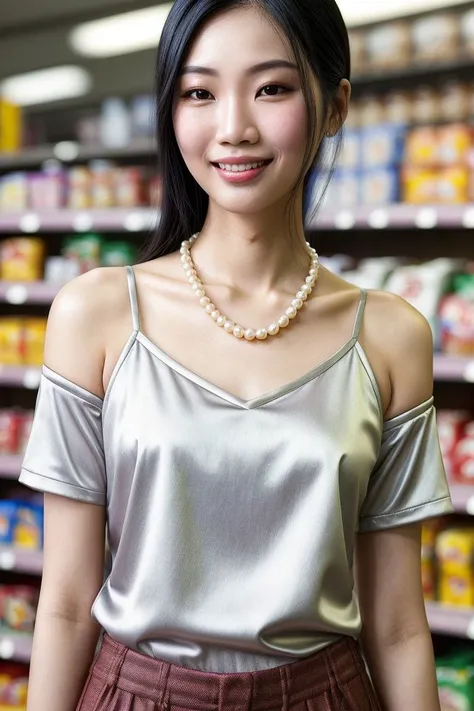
[351, 149]
[382, 145]
[8, 511]
[380, 186]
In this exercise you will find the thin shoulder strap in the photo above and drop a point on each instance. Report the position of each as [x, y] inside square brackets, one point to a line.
[360, 314]
[132, 289]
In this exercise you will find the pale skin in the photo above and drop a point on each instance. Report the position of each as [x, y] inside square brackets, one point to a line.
[253, 268]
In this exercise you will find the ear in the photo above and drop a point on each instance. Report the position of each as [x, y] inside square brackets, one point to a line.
[340, 107]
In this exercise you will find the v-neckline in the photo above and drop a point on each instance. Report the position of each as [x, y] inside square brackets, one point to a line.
[260, 400]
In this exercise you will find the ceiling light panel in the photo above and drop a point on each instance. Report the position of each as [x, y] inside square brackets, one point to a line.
[46, 85]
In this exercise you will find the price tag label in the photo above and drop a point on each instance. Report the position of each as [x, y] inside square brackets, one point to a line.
[32, 379]
[7, 648]
[427, 218]
[344, 220]
[17, 294]
[30, 223]
[468, 373]
[379, 219]
[7, 560]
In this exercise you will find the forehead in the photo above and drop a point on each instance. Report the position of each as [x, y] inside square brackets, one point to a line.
[240, 37]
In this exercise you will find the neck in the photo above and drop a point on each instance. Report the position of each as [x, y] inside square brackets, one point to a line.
[256, 253]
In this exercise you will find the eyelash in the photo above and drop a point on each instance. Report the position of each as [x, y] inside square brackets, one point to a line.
[189, 94]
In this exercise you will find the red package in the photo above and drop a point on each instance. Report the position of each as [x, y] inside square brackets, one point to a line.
[25, 430]
[451, 429]
[10, 423]
[18, 604]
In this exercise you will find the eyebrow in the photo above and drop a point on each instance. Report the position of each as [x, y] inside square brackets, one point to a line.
[257, 69]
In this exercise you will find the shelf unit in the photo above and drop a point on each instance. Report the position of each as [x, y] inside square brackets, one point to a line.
[10, 465]
[453, 621]
[15, 646]
[139, 219]
[20, 376]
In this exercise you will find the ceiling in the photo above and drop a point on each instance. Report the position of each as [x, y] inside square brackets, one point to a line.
[33, 35]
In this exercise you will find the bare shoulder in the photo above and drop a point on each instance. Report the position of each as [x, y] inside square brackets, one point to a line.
[81, 320]
[403, 338]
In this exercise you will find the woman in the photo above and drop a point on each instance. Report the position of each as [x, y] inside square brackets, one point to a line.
[242, 422]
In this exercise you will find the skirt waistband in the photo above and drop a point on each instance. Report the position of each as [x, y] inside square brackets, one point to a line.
[172, 685]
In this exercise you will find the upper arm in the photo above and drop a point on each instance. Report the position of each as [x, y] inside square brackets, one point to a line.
[389, 584]
[74, 546]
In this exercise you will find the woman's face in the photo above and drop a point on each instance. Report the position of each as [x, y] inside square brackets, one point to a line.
[240, 116]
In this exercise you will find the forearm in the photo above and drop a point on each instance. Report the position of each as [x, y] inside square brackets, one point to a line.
[403, 673]
[63, 651]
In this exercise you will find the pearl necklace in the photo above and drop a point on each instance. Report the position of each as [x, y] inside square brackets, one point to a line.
[233, 328]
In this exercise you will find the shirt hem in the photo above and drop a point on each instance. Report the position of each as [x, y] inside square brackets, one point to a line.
[414, 514]
[47, 485]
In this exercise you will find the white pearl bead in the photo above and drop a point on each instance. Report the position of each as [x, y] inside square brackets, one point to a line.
[194, 280]
[238, 332]
[306, 288]
[297, 303]
[204, 301]
[183, 249]
[273, 329]
[210, 308]
[196, 286]
[200, 293]
[215, 315]
[283, 321]
[291, 312]
[221, 320]
[186, 244]
[302, 295]
[313, 272]
[186, 259]
[310, 280]
[229, 326]
[262, 334]
[250, 334]
[190, 272]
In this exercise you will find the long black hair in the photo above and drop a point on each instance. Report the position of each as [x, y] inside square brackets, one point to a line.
[318, 37]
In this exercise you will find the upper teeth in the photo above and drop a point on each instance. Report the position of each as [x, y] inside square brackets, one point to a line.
[240, 168]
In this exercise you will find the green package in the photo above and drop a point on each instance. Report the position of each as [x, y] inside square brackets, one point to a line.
[456, 682]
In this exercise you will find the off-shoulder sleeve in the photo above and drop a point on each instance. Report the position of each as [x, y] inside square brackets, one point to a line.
[408, 483]
[65, 453]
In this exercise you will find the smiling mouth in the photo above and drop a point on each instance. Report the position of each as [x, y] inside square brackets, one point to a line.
[241, 167]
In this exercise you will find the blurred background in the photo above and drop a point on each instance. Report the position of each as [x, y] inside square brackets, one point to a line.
[79, 188]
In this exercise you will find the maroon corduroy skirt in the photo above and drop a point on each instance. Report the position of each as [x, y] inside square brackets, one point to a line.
[334, 679]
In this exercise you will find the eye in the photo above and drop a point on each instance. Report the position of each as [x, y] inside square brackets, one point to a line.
[273, 90]
[198, 95]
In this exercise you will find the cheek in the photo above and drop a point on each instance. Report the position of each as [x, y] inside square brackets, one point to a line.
[189, 133]
[291, 130]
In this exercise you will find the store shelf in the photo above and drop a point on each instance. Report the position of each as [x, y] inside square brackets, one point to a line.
[413, 74]
[15, 645]
[10, 466]
[456, 621]
[21, 561]
[396, 216]
[30, 157]
[453, 368]
[20, 376]
[462, 496]
[111, 220]
[34, 292]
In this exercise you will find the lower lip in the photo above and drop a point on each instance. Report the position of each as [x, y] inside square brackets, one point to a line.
[241, 177]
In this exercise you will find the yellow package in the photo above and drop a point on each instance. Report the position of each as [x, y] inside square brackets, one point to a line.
[454, 144]
[421, 147]
[11, 341]
[454, 185]
[10, 126]
[22, 259]
[34, 335]
[455, 549]
[420, 185]
[457, 588]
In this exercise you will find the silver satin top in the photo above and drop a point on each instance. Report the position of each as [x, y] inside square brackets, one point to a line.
[232, 523]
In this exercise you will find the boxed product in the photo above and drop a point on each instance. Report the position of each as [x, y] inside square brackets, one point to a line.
[382, 145]
[79, 188]
[22, 259]
[102, 186]
[350, 155]
[389, 45]
[130, 187]
[34, 334]
[398, 108]
[456, 317]
[118, 254]
[84, 250]
[455, 676]
[455, 556]
[426, 105]
[10, 426]
[371, 111]
[453, 185]
[421, 147]
[18, 604]
[10, 126]
[47, 189]
[13, 687]
[454, 144]
[419, 186]
[379, 186]
[11, 341]
[455, 101]
[436, 37]
[451, 428]
[28, 526]
[429, 533]
[14, 192]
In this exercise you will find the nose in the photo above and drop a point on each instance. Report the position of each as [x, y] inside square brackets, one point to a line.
[235, 123]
